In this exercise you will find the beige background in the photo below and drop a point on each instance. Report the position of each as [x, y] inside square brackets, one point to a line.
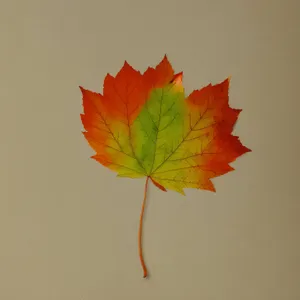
[68, 226]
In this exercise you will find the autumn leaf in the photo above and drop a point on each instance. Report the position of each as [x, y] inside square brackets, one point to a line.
[143, 125]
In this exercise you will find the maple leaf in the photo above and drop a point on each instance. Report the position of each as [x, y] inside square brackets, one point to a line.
[143, 125]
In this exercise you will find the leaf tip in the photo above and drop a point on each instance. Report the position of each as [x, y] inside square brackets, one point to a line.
[127, 65]
[178, 78]
[82, 89]
[165, 60]
[247, 149]
[213, 190]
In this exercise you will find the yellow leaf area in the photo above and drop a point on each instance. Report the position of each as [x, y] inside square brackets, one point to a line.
[143, 125]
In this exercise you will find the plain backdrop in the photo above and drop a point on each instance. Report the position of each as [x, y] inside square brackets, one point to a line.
[68, 226]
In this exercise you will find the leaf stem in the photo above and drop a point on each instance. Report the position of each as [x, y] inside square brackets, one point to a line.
[141, 230]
